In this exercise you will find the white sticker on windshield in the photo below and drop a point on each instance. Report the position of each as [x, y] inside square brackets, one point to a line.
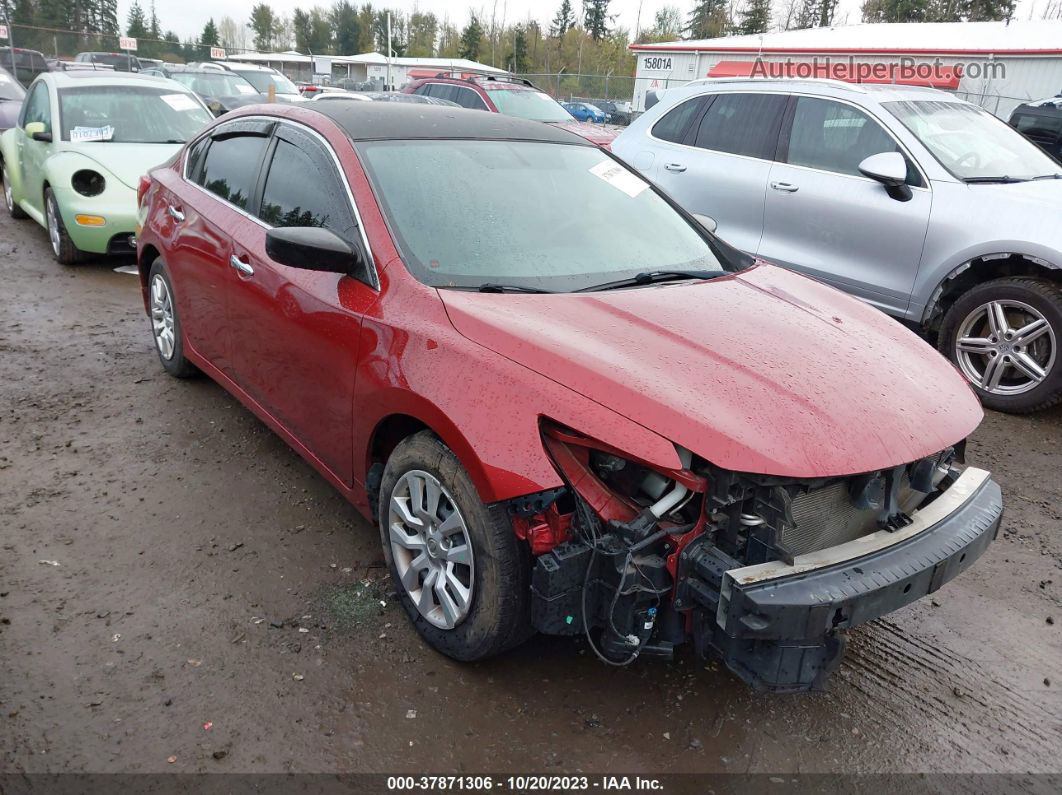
[179, 101]
[245, 89]
[82, 134]
[619, 177]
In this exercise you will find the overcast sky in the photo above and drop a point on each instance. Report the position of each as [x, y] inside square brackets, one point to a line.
[187, 17]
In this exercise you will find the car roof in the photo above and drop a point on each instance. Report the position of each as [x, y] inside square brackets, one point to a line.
[108, 78]
[861, 93]
[368, 121]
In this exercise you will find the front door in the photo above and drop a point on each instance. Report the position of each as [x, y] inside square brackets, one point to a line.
[824, 218]
[33, 154]
[295, 332]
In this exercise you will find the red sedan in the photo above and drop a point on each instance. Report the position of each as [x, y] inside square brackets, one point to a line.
[567, 405]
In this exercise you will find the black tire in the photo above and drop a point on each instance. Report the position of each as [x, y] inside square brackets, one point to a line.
[12, 209]
[175, 364]
[64, 250]
[1042, 295]
[499, 616]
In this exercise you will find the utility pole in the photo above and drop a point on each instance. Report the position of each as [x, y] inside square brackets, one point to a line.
[10, 41]
[389, 51]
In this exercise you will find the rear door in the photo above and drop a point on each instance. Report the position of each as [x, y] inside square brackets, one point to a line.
[719, 168]
[201, 215]
[296, 331]
[826, 219]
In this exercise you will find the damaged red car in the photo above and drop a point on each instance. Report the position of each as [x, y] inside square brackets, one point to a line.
[567, 406]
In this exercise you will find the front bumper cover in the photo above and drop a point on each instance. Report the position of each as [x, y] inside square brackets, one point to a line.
[776, 624]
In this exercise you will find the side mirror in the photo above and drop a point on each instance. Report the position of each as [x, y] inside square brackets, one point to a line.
[314, 249]
[707, 222]
[890, 169]
[38, 131]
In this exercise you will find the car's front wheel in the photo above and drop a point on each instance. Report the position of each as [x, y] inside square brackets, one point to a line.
[63, 248]
[9, 196]
[459, 569]
[1003, 335]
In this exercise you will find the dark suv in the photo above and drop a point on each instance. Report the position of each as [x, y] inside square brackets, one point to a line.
[512, 96]
[120, 61]
[28, 63]
[1041, 123]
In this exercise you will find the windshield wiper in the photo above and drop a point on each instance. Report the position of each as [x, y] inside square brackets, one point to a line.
[1048, 176]
[1005, 180]
[652, 277]
[492, 287]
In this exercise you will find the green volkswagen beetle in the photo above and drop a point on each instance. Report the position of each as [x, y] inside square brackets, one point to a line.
[82, 142]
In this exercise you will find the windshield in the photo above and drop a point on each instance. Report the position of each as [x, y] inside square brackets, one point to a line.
[528, 214]
[129, 114]
[214, 84]
[970, 142]
[261, 81]
[527, 104]
[10, 88]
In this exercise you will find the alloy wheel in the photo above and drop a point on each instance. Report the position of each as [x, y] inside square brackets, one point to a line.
[432, 548]
[1005, 347]
[53, 225]
[162, 317]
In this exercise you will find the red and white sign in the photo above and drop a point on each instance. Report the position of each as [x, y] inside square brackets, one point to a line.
[3, 31]
[217, 54]
[127, 43]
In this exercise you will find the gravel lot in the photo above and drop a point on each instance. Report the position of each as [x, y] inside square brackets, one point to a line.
[180, 592]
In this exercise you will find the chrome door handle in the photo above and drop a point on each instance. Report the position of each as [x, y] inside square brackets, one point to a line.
[175, 214]
[243, 267]
[785, 187]
[677, 167]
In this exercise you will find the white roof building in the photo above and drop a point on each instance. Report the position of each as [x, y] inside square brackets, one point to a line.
[367, 66]
[996, 64]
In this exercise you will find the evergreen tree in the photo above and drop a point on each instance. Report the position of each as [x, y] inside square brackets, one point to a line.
[423, 32]
[209, 37]
[564, 21]
[470, 39]
[108, 17]
[301, 27]
[344, 19]
[755, 17]
[135, 22]
[596, 18]
[709, 19]
[264, 25]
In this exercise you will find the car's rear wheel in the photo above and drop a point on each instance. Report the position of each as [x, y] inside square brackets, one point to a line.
[460, 571]
[63, 248]
[165, 324]
[9, 196]
[1004, 337]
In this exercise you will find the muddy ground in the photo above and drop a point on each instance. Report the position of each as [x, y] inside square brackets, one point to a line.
[179, 591]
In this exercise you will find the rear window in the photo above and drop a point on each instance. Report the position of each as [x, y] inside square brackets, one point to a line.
[526, 103]
[742, 124]
[1044, 130]
[673, 126]
[231, 168]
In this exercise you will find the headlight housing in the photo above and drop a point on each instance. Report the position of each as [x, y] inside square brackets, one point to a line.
[88, 182]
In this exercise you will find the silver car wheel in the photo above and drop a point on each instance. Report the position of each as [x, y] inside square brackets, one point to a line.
[1005, 347]
[52, 211]
[432, 548]
[9, 197]
[162, 316]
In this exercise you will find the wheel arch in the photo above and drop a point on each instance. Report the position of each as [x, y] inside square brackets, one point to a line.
[982, 268]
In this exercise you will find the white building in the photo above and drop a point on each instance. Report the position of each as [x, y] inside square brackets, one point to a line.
[369, 66]
[995, 64]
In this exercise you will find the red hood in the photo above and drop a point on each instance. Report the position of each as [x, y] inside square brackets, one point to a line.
[765, 371]
[594, 133]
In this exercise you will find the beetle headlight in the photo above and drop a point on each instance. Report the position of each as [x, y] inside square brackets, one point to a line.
[88, 182]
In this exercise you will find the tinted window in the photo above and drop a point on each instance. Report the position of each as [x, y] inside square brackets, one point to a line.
[231, 167]
[194, 162]
[441, 91]
[677, 121]
[1044, 130]
[37, 107]
[467, 98]
[742, 124]
[834, 137]
[302, 189]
